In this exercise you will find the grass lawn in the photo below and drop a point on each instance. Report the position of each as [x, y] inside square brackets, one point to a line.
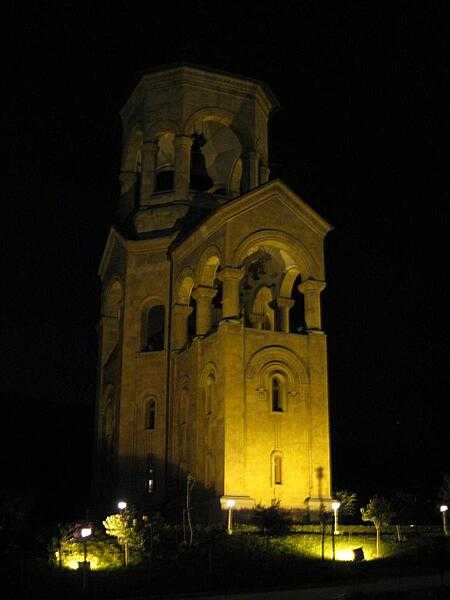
[243, 561]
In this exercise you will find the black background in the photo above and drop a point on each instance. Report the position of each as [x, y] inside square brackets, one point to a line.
[360, 136]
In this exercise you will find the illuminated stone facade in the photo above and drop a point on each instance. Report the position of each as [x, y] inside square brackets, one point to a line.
[213, 361]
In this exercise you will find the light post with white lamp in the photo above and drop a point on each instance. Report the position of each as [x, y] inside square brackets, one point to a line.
[85, 533]
[335, 505]
[122, 505]
[230, 505]
[444, 508]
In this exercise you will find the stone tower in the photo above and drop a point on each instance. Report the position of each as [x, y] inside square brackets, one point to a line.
[213, 361]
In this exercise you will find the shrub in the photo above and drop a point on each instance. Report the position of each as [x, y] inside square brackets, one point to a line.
[271, 520]
[101, 552]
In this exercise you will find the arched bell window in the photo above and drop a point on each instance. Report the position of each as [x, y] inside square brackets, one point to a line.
[165, 162]
[153, 329]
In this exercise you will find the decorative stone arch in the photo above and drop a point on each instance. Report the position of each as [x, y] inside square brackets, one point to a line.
[228, 173]
[207, 265]
[277, 355]
[282, 362]
[224, 117]
[294, 253]
[184, 285]
[287, 282]
[181, 309]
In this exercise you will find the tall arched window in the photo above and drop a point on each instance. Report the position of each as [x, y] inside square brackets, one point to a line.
[277, 394]
[209, 393]
[153, 329]
[165, 163]
[277, 468]
[150, 414]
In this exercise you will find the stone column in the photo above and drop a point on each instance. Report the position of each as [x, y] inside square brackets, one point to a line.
[182, 145]
[249, 170]
[149, 155]
[264, 173]
[127, 180]
[180, 314]
[203, 296]
[231, 277]
[311, 290]
[256, 320]
[284, 305]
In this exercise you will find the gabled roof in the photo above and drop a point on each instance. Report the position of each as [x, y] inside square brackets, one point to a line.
[247, 202]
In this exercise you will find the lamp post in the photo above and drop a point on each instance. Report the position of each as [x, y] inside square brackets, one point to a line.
[85, 533]
[444, 508]
[335, 505]
[121, 505]
[230, 505]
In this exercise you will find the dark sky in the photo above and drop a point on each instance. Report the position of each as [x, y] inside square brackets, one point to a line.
[360, 136]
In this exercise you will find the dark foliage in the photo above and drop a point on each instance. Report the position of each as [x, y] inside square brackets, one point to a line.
[271, 520]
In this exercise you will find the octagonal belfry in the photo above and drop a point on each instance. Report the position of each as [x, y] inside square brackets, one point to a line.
[213, 360]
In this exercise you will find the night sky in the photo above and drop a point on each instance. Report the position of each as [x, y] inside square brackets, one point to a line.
[360, 136]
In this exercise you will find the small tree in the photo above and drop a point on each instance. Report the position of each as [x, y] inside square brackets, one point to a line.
[271, 519]
[348, 502]
[379, 512]
[124, 526]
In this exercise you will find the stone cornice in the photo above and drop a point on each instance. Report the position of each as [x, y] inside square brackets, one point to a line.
[201, 77]
[150, 246]
[239, 206]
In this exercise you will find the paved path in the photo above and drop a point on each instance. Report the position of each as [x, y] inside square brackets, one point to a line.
[341, 592]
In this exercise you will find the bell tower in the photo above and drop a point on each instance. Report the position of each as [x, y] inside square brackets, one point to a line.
[212, 361]
[187, 131]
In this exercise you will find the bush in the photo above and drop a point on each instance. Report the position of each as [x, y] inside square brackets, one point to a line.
[101, 553]
[272, 520]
